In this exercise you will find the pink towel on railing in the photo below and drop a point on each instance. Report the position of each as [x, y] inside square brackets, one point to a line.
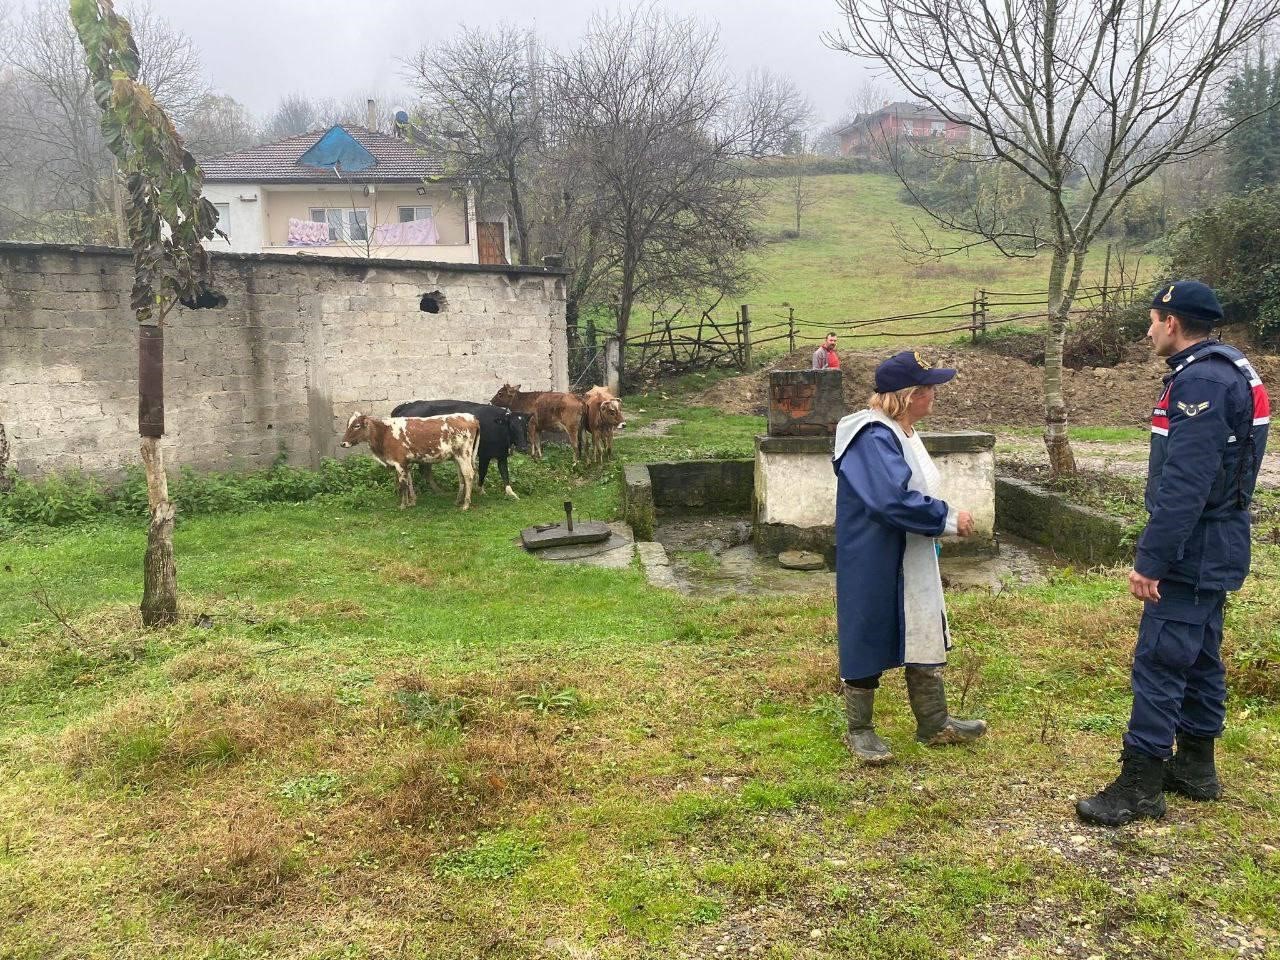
[415, 233]
[308, 233]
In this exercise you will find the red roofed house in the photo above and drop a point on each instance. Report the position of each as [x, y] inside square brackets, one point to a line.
[897, 121]
[348, 192]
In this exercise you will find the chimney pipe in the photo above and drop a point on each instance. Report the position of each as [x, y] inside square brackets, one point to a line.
[372, 114]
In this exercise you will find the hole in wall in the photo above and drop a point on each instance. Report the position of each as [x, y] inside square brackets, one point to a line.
[432, 302]
[206, 298]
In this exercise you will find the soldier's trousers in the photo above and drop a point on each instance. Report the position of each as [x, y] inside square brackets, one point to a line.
[1179, 682]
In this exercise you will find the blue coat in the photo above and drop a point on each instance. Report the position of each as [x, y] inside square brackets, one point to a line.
[1208, 435]
[874, 511]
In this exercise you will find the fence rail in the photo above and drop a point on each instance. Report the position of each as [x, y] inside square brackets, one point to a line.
[676, 343]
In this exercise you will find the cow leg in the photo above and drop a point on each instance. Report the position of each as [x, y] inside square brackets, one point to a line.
[483, 472]
[466, 474]
[572, 430]
[506, 479]
[404, 483]
[430, 478]
[535, 445]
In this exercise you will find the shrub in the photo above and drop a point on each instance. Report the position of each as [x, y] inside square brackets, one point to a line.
[70, 498]
[1231, 247]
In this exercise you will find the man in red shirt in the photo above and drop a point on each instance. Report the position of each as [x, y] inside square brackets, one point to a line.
[825, 357]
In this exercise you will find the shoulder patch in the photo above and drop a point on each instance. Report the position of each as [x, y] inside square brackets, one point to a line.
[1191, 409]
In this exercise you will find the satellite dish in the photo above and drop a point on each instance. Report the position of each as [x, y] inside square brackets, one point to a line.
[402, 116]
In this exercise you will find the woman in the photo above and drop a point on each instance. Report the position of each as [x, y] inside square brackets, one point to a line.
[888, 589]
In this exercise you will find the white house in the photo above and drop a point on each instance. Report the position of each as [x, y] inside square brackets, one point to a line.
[348, 192]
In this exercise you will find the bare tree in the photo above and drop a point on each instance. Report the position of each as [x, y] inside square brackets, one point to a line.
[800, 190]
[771, 114]
[648, 145]
[1086, 98]
[295, 114]
[482, 109]
[220, 124]
[50, 123]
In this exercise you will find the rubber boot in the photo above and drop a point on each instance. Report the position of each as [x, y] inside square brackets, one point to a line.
[936, 727]
[1191, 772]
[1135, 793]
[861, 738]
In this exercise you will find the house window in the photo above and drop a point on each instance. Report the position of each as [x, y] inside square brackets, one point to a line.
[908, 127]
[345, 223]
[410, 214]
[224, 217]
[938, 127]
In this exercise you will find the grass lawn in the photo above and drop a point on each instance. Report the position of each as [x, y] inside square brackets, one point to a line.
[391, 734]
[847, 263]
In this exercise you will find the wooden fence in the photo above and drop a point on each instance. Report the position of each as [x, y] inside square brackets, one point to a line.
[677, 343]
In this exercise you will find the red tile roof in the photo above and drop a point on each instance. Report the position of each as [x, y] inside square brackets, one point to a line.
[399, 161]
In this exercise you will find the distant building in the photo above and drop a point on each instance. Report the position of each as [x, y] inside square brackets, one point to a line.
[348, 192]
[897, 121]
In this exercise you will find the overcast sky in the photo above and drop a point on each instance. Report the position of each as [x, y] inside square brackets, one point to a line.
[259, 50]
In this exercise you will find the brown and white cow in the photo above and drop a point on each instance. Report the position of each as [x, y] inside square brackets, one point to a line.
[603, 418]
[399, 442]
[548, 410]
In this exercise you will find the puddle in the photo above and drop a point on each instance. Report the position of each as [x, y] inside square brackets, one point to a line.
[713, 556]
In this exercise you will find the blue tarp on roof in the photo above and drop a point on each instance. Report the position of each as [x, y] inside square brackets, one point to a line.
[337, 148]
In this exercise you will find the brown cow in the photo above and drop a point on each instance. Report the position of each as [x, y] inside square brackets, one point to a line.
[398, 442]
[548, 410]
[603, 417]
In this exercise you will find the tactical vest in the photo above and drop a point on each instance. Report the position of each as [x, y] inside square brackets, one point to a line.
[1251, 430]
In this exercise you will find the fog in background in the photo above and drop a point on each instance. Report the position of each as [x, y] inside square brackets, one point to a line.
[259, 50]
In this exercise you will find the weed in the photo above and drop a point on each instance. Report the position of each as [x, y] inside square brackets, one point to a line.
[493, 857]
[312, 788]
[547, 699]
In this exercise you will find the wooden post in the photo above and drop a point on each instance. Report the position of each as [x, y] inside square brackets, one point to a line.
[973, 319]
[791, 329]
[1106, 276]
[744, 328]
[982, 313]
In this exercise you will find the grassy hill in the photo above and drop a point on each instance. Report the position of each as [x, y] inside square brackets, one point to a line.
[848, 264]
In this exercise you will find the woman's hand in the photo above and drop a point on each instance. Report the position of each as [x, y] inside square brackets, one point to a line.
[964, 523]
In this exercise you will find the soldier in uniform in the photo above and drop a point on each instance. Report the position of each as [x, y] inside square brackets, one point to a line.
[1208, 435]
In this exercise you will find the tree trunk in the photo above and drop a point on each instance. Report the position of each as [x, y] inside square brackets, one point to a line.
[517, 212]
[625, 303]
[1057, 443]
[5, 480]
[160, 574]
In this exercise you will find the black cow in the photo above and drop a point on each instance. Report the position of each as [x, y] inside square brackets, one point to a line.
[500, 430]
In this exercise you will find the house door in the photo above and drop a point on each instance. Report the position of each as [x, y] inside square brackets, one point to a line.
[492, 238]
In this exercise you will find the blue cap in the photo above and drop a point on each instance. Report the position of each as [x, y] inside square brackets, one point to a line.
[1189, 298]
[908, 369]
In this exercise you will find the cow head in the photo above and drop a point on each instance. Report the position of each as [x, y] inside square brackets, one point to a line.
[611, 414]
[506, 396]
[357, 430]
[518, 431]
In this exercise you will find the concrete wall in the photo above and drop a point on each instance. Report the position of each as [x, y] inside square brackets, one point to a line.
[1085, 535]
[795, 487]
[299, 346]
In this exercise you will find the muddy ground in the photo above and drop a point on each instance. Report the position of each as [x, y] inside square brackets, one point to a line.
[989, 389]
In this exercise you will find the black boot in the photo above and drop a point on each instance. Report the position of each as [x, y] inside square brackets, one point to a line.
[861, 737]
[1135, 793]
[934, 725]
[1191, 772]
